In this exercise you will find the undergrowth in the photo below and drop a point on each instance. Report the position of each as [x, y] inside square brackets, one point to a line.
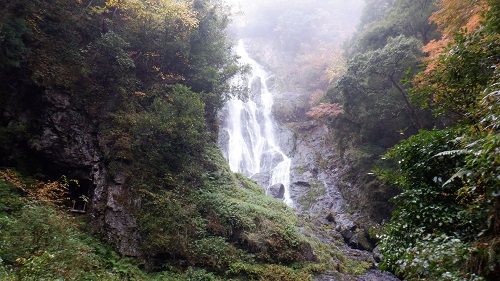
[223, 227]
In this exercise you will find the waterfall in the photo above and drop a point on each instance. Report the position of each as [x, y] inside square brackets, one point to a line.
[247, 136]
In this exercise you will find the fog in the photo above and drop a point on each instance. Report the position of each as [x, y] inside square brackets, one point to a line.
[300, 42]
[296, 22]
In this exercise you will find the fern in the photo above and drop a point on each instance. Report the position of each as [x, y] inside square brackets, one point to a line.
[459, 174]
[452, 152]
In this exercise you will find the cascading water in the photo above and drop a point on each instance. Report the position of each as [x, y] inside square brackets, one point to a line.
[248, 136]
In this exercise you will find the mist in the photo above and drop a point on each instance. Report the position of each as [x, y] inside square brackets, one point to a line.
[295, 23]
[301, 42]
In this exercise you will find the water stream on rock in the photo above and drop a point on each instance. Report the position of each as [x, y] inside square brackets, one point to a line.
[247, 136]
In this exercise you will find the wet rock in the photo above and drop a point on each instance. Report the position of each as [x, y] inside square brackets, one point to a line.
[347, 234]
[262, 178]
[308, 253]
[277, 191]
[344, 222]
[255, 89]
[376, 254]
[330, 217]
[302, 184]
[377, 275]
[270, 159]
[359, 240]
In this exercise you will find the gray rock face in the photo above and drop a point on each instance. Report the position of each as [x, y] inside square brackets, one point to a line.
[68, 139]
[67, 136]
[315, 173]
[376, 254]
[277, 191]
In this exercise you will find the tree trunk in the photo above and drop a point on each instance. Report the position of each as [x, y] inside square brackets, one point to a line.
[413, 115]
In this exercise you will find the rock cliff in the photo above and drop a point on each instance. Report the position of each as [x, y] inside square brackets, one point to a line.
[66, 142]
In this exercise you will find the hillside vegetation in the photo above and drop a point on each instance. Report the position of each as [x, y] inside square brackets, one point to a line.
[419, 107]
[113, 105]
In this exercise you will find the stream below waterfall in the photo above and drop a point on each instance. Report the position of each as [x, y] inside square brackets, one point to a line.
[248, 133]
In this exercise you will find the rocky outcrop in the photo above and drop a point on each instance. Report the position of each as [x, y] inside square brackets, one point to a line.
[67, 141]
[315, 173]
[67, 137]
[112, 212]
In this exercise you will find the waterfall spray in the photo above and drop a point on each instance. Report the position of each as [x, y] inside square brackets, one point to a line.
[250, 128]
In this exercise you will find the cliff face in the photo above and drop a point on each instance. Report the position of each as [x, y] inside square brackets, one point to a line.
[65, 141]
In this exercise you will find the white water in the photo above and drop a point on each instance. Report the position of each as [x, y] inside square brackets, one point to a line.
[251, 146]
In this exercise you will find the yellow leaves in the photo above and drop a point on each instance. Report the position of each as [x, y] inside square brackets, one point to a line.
[338, 66]
[172, 78]
[139, 94]
[112, 3]
[11, 177]
[53, 192]
[157, 12]
[49, 192]
[188, 17]
[151, 55]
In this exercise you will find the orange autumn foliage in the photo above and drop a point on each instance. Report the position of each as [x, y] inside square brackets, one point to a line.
[453, 16]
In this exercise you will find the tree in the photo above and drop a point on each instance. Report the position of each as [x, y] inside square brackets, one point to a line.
[463, 82]
[385, 19]
[371, 92]
[452, 18]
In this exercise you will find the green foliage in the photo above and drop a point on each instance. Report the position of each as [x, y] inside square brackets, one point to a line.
[429, 206]
[447, 223]
[12, 47]
[374, 100]
[171, 127]
[437, 257]
[39, 242]
[373, 91]
[462, 76]
[384, 19]
[377, 112]
[449, 183]
[269, 272]
[225, 220]
[156, 136]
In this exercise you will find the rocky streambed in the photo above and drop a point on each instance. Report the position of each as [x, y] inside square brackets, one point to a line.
[316, 174]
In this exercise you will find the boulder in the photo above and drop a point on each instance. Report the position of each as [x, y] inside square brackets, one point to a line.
[360, 241]
[277, 191]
